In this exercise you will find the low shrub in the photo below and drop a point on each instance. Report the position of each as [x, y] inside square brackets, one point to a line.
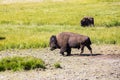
[21, 63]
[57, 65]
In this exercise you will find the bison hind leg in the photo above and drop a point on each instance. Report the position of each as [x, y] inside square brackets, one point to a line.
[90, 49]
[82, 49]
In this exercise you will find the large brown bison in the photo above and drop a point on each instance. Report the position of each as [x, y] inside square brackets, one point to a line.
[67, 40]
[87, 21]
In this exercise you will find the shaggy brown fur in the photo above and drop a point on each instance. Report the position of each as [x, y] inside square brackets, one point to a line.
[87, 21]
[67, 40]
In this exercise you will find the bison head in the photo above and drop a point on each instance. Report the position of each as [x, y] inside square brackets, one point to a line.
[53, 42]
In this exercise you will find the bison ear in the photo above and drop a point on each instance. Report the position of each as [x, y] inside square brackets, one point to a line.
[53, 38]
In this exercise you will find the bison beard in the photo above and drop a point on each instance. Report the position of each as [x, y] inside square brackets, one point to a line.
[67, 40]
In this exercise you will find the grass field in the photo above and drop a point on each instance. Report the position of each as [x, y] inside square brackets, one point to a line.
[30, 24]
[66, 12]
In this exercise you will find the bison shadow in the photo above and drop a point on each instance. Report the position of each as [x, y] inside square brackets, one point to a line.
[85, 54]
[2, 38]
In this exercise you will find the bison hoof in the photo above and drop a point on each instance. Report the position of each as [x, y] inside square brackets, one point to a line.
[62, 54]
[91, 55]
[68, 55]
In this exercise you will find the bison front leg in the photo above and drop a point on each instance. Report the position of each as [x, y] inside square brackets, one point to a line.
[68, 51]
[62, 50]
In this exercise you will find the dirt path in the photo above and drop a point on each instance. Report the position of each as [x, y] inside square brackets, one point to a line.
[104, 65]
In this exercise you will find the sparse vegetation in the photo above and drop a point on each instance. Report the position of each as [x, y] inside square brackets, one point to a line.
[21, 63]
[57, 65]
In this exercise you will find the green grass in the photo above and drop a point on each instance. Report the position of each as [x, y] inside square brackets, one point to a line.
[21, 63]
[69, 12]
[30, 25]
[34, 36]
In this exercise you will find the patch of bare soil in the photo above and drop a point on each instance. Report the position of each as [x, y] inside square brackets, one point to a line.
[103, 65]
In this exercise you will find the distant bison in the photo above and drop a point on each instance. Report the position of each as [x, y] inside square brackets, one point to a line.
[67, 40]
[87, 21]
[2, 38]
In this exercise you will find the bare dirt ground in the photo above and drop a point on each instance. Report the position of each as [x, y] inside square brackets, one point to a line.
[103, 65]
